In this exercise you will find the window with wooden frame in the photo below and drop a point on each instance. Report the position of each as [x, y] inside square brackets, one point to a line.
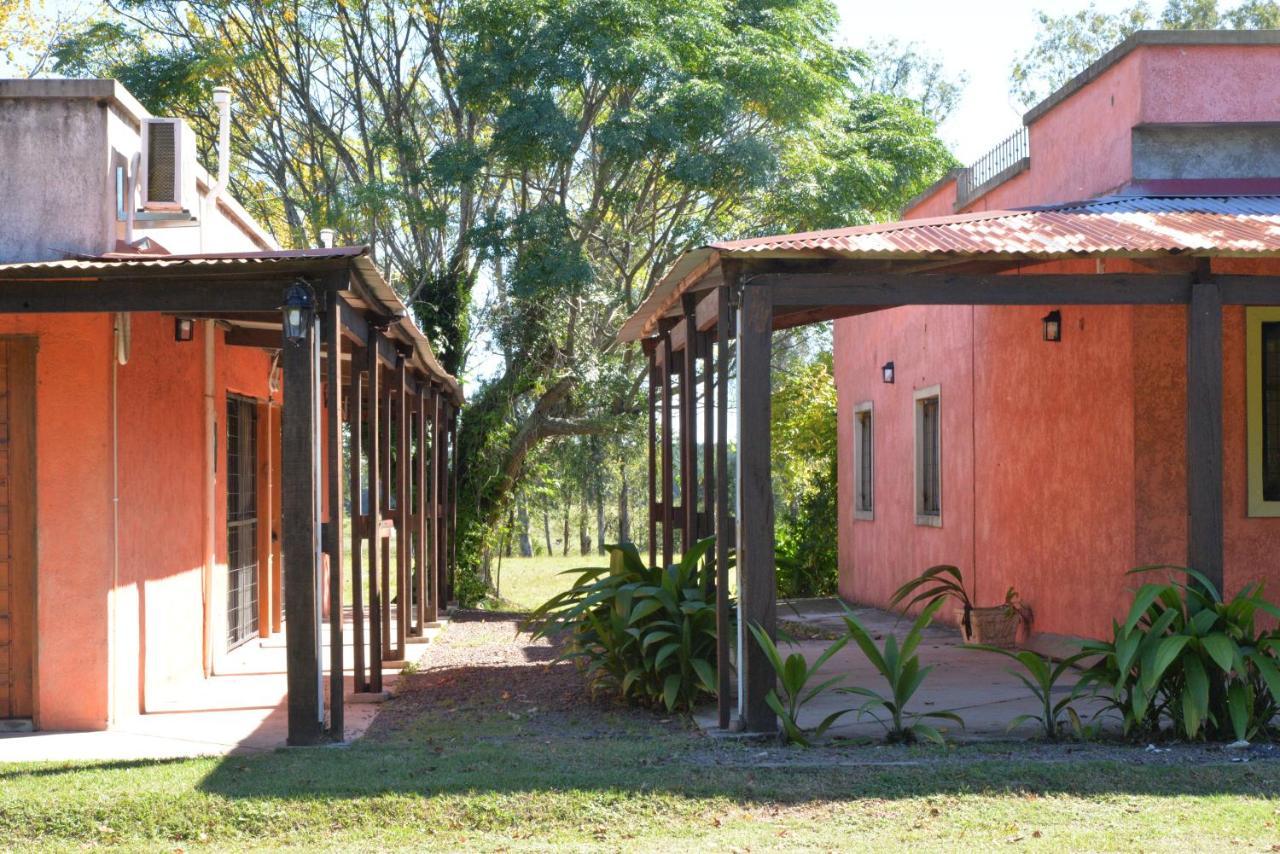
[864, 503]
[1262, 404]
[928, 456]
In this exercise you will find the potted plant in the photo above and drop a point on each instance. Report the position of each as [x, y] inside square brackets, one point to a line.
[994, 626]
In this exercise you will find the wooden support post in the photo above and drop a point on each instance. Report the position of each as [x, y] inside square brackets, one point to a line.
[374, 398]
[404, 587]
[298, 469]
[452, 472]
[266, 486]
[359, 523]
[757, 591]
[333, 531]
[689, 428]
[668, 486]
[384, 549]
[420, 506]
[724, 621]
[651, 351]
[437, 571]
[277, 523]
[1204, 429]
[707, 526]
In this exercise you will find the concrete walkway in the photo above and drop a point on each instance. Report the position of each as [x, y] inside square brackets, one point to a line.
[240, 710]
[976, 685]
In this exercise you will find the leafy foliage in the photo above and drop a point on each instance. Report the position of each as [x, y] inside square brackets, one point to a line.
[900, 667]
[1066, 44]
[934, 585]
[1187, 657]
[647, 633]
[794, 674]
[1041, 677]
[804, 437]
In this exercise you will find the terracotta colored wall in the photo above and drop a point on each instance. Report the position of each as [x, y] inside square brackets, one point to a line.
[73, 517]
[1079, 446]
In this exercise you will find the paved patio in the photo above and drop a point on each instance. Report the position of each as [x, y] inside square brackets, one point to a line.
[976, 685]
[240, 710]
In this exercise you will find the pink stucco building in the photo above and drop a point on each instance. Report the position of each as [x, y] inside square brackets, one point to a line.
[1062, 464]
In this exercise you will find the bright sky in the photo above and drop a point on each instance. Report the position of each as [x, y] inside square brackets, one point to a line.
[979, 38]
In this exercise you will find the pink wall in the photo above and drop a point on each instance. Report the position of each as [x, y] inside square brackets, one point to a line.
[1079, 445]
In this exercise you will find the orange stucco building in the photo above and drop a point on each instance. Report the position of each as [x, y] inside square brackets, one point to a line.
[1063, 464]
[145, 450]
[1062, 363]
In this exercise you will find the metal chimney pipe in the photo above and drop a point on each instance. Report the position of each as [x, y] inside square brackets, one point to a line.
[222, 100]
[327, 236]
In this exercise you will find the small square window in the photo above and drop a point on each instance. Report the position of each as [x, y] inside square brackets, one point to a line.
[928, 457]
[863, 462]
[1262, 397]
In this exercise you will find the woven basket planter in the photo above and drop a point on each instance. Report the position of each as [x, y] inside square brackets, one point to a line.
[996, 626]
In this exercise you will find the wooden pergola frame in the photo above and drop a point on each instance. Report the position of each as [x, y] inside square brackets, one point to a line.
[742, 301]
[400, 409]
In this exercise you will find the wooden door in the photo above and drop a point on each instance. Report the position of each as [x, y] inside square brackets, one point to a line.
[17, 526]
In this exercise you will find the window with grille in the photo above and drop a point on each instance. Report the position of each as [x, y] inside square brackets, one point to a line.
[1262, 396]
[863, 462]
[242, 520]
[928, 457]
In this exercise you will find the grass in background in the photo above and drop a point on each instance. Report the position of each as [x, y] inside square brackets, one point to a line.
[527, 582]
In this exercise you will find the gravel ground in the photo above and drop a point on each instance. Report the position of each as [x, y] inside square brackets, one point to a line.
[482, 669]
[483, 666]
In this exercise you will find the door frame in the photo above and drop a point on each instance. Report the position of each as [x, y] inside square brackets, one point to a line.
[24, 549]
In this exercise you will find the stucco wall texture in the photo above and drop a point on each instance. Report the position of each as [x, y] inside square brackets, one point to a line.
[1063, 463]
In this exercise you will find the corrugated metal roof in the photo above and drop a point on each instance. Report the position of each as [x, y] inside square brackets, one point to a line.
[388, 300]
[1126, 226]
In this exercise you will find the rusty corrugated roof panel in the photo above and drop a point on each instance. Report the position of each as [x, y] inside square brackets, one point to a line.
[388, 301]
[1125, 226]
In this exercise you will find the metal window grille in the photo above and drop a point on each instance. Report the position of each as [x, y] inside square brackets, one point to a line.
[930, 500]
[1271, 411]
[242, 521]
[866, 500]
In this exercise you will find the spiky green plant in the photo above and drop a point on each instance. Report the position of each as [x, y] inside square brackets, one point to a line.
[1041, 677]
[794, 674]
[900, 667]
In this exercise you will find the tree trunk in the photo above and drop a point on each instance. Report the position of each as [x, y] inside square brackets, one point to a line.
[546, 529]
[526, 542]
[624, 513]
[565, 543]
[584, 539]
[600, 526]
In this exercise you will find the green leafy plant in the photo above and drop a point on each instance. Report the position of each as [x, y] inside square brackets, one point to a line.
[900, 667]
[1041, 677]
[1187, 657]
[947, 582]
[648, 633]
[794, 674]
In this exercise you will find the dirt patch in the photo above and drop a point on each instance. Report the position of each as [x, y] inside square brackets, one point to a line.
[482, 669]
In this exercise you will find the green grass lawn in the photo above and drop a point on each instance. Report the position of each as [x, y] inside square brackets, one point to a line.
[527, 582]
[642, 787]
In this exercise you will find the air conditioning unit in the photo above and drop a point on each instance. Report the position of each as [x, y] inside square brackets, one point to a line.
[167, 171]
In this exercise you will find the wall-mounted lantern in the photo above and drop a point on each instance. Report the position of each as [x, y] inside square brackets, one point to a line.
[887, 372]
[298, 305]
[1052, 325]
[184, 329]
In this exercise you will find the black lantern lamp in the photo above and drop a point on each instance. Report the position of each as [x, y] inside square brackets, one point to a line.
[298, 306]
[887, 372]
[184, 329]
[1052, 325]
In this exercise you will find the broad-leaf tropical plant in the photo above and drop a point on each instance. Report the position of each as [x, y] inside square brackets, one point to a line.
[1187, 656]
[794, 675]
[899, 664]
[1041, 677]
[648, 633]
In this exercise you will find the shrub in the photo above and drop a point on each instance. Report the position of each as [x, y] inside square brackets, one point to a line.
[1188, 657]
[1042, 675]
[794, 675]
[648, 633]
[900, 667]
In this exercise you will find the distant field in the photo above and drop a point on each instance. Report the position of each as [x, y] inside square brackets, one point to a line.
[527, 582]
